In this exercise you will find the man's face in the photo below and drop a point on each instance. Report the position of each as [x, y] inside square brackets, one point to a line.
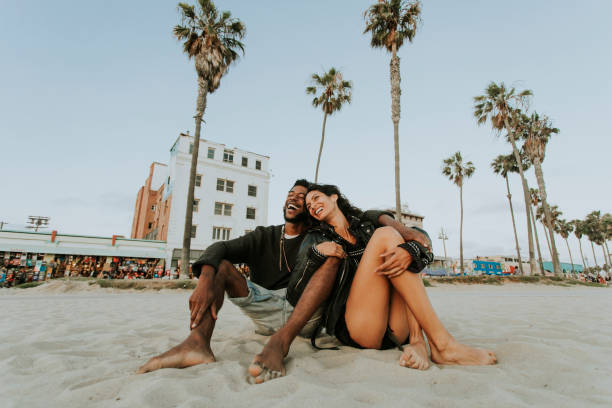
[294, 210]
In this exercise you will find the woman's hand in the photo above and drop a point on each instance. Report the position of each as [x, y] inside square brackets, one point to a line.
[397, 261]
[330, 248]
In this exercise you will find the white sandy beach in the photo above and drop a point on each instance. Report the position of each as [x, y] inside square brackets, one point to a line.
[80, 346]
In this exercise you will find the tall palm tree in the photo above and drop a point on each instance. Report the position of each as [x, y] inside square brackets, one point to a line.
[212, 40]
[391, 22]
[578, 231]
[537, 132]
[456, 170]
[498, 105]
[565, 228]
[331, 92]
[555, 214]
[502, 165]
[535, 200]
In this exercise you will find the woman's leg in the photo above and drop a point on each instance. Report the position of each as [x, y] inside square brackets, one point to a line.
[373, 305]
[444, 348]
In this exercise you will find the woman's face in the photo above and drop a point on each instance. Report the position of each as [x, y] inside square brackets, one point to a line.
[319, 205]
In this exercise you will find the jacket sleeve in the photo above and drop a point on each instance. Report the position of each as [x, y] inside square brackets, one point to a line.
[373, 215]
[236, 250]
[308, 262]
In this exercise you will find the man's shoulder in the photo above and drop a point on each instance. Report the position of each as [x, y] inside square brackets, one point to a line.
[268, 230]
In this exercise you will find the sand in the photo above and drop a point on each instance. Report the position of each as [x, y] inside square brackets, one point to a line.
[79, 345]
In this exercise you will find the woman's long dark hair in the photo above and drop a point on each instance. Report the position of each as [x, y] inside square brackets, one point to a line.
[343, 203]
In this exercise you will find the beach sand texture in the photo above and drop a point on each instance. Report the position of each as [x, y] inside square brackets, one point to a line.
[79, 346]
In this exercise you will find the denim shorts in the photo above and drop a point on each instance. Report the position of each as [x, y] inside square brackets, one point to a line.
[269, 310]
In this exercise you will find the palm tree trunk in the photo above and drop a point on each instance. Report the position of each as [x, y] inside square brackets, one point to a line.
[603, 250]
[547, 239]
[200, 108]
[608, 251]
[570, 254]
[537, 239]
[461, 227]
[320, 147]
[540, 177]
[518, 251]
[594, 257]
[394, 68]
[581, 255]
[517, 157]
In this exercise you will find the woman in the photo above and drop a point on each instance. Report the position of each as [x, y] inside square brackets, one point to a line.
[384, 303]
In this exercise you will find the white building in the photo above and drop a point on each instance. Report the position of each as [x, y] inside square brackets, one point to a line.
[230, 197]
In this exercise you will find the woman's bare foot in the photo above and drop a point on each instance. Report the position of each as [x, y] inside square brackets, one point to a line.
[268, 364]
[415, 356]
[193, 351]
[456, 353]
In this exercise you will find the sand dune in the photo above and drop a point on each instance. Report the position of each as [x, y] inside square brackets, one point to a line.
[79, 346]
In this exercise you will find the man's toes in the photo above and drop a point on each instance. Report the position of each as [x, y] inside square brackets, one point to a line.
[256, 369]
[268, 375]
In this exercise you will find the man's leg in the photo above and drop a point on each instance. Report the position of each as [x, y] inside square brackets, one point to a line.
[195, 349]
[269, 363]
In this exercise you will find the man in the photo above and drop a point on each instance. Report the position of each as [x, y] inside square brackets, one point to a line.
[270, 253]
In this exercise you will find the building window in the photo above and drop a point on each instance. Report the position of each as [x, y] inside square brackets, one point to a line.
[196, 205]
[228, 156]
[257, 164]
[253, 191]
[211, 153]
[153, 207]
[221, 233]
[194, 229]
[225, 185]
[223, 209]
[198, 180]
[150, 225]
[190, 148]
[250, 213]
[245, 162]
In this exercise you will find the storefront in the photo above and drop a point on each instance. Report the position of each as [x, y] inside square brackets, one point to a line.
[34, 256]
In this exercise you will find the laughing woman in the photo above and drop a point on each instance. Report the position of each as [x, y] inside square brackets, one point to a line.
[379, 299]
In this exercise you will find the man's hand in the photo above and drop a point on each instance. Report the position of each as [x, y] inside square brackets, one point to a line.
[397, 262]
[203, 298]
[330, 248]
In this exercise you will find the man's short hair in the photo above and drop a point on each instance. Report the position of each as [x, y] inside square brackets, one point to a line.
[302, 182]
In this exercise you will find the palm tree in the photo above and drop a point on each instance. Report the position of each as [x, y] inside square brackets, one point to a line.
[498, 105]
[578, 231]
[212, 40]
[391, 22]
[537, 132]
[502, 165]
[456, 171]
[334, 92]
[534, 201]
[594, 229]
[555, 214]
[606, 220]
[565, 228]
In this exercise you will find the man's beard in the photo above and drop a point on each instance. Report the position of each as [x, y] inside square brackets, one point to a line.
[301, 218]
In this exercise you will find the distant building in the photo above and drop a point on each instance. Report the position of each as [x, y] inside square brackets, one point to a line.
[230, 198]
[565, 267]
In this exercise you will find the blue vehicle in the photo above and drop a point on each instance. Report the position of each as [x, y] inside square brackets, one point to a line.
[487, 268]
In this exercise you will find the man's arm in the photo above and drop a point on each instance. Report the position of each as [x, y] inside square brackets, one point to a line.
[408, 233]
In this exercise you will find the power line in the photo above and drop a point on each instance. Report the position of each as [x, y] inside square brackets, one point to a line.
[36, 222]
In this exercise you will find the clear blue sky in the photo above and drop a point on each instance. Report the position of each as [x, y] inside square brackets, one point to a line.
[92, 92]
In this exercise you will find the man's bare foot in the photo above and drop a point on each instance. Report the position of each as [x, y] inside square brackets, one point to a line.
[193, 351]
[268, 364]
[456, 353]
[415, 356]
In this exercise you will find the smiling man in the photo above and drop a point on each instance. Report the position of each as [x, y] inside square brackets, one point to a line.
[270, 252]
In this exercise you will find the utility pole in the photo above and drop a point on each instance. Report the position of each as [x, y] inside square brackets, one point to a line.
[2, 224]
[442, 235]
[37, 222]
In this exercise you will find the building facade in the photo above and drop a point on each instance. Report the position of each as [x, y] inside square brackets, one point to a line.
[230, 197]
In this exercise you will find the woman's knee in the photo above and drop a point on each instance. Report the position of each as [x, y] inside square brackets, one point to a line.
[386, 234]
